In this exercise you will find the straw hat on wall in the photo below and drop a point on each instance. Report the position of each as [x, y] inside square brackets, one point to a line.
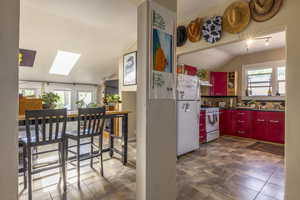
[236, 17]
[194, 32]
[263, 10]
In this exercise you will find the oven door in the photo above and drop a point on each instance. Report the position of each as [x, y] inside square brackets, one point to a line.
[212, 121]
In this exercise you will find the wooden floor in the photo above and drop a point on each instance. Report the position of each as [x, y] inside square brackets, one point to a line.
[226, 169]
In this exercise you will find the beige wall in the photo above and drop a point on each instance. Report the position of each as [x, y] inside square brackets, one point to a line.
[236, 63]
[128, 95]
[9, 45]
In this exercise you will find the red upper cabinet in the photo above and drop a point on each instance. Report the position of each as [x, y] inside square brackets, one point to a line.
[219, 83]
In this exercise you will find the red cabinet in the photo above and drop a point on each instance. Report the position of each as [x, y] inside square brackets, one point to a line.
[243, 123]
[260, 125]
[202, 127]
[223, 122]
[275, 127]
[219, 83]
[259, 130]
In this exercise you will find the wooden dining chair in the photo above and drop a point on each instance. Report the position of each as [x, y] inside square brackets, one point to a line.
[90, 124]
[38, 134]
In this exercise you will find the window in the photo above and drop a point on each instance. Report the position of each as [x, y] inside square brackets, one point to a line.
[27, 92]
[86, 97]
[267, 79]
[65, 99]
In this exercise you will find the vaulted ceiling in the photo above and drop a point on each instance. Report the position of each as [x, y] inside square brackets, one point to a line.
[216, 57]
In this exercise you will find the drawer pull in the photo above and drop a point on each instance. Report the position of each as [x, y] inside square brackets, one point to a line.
[241, 113]
[240, 121]
[242, 132]
[274, 121]
[260, 120]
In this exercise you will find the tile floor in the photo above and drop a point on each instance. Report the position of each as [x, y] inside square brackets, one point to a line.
[226, 169]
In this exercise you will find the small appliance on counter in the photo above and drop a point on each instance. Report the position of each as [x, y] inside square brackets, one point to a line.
[188, 108]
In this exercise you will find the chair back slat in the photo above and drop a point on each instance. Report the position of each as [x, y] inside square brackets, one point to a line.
[41, 118]
[44, 128]
[92, 120]
[50, 127]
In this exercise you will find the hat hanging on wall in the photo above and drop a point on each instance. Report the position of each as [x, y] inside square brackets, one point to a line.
[236, 17]
[181, 36]
[263, 10]
[194, 30]
[212, 29]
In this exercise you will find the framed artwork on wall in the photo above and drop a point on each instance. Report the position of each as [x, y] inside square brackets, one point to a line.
[129, 68]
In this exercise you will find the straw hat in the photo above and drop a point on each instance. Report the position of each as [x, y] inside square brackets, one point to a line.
[181, 36]
[263, 10]
[194, 30]
[236, 17]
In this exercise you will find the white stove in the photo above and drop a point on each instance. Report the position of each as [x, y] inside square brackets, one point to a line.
[212, 121]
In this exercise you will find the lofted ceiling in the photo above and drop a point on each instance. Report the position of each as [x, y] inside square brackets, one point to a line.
[99, 30]
[220, 55]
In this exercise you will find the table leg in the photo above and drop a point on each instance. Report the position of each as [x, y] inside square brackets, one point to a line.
[111, 137]
[125, 138]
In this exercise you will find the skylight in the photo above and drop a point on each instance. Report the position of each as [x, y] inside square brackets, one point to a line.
[64, 62]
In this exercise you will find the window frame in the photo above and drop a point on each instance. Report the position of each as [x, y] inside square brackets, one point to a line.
[274, 82]
[86, 91]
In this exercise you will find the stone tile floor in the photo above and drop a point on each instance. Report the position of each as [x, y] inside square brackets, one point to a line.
[221, 170]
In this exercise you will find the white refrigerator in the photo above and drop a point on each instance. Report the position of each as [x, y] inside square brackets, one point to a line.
[188, 110]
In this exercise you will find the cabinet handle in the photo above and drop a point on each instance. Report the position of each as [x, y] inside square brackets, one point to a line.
[240, 113]
[240, 121]
[274, 121]
[241, 132]
[260, 120]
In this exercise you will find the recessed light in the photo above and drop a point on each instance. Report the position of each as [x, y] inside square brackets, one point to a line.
[64, 62]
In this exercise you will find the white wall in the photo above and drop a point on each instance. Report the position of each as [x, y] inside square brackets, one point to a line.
[9, 45]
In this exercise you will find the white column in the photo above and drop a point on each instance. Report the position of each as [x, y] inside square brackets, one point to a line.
[9, 45]
[292, 150]
[156, 120]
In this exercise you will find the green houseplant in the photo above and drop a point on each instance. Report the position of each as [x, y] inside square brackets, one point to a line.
[112, 101]
[50, 100]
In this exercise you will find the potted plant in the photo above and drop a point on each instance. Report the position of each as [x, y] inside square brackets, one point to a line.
[50, 100]
[80, 104]
[112, 102]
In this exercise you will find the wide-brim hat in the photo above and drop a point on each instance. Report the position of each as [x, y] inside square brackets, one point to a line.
[263, 10]
[181, 36]
[194, 32]
[212, 29]
[236, 17]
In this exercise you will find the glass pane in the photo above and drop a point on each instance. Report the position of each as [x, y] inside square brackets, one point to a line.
[262, 84]
[259, 78]
[260, 71]
[61, 101]
[64, 99]
[28, 92]
[281, 73]
[281, 88]
[259, 91]
[85, 96]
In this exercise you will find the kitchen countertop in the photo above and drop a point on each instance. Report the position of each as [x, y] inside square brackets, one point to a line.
[255, 109]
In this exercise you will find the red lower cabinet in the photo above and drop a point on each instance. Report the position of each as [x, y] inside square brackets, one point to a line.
[259, 130]
[223, 122]
[275, 127]
[260, 125]
[202, 128]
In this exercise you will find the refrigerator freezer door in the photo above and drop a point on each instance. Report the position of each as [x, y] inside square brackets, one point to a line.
[188, 87]
[187, 126]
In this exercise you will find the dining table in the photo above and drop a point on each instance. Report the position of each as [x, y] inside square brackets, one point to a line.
[111, 116]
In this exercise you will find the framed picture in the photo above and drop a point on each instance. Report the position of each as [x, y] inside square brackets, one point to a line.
[129, 68]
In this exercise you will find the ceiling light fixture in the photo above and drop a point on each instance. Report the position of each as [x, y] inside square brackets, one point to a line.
[250, 41]
[64, 62]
